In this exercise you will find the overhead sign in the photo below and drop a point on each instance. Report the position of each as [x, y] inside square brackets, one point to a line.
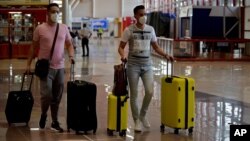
[24, 2]
[97, 23]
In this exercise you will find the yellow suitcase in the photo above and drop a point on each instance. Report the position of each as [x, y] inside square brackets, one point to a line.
[177, 103]
[117, 114]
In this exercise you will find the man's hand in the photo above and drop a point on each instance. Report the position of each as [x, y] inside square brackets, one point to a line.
[124, 59]
[28, 69]
[72, 61]
[169, 57]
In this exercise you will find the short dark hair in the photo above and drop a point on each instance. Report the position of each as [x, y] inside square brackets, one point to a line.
[52, 4]
[137, 8]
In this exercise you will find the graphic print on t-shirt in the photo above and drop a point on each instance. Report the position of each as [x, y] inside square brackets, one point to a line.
[141, 45]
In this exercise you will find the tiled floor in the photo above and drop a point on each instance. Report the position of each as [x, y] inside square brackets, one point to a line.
[222, 98]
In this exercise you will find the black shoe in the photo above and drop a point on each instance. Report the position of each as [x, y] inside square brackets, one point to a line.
[56, 127]
[42, 121]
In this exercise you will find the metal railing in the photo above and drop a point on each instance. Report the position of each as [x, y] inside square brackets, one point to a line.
[166, 44]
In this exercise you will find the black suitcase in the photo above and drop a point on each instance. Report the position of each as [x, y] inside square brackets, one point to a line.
[81, 105]
[19, 104]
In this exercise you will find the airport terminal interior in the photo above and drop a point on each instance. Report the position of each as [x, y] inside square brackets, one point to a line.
[222, 98]
[208, 38]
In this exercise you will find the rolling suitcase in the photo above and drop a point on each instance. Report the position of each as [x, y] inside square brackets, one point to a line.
[117, 102]
[19, 103]
[81, 105]
[177, 102]
[117, 114]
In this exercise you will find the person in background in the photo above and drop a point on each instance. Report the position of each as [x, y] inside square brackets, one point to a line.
[73, 36]
[140, 37]
[51, 87]
[77, 34]
[85, 34]
[99, 32]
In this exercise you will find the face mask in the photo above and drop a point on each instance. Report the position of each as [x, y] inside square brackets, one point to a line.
[143, 19]
[54, 17]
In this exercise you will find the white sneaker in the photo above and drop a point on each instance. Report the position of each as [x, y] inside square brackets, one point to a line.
[137, 125]
[145, 122]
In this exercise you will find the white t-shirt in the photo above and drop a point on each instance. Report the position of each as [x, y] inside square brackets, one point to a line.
[85, 33]
[139, 43]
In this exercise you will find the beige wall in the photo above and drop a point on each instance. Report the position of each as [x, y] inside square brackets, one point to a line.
[247, 2]
[84, 9]
[108, 8]
[105, 8]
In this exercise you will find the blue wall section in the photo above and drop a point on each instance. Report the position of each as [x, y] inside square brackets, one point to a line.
[204, 26]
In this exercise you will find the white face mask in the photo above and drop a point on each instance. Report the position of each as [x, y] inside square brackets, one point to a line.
[143, 19]
[54, 17]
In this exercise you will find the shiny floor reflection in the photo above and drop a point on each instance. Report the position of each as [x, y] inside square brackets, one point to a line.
[222, 98]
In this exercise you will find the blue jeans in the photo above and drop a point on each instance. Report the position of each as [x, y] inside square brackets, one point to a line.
[134, 72]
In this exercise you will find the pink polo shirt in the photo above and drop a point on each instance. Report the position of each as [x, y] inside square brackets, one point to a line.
[45, 33]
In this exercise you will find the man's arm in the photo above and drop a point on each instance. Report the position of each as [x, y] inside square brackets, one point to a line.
[34, 46]
[161, 52]
[90, 33]
[70, 49]
[121, 50]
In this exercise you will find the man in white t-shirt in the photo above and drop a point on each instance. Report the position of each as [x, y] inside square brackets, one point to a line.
[140, 37]
[85, 34]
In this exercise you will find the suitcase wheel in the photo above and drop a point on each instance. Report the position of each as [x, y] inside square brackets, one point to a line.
[122, 133]
[109, 132]
[190, 130]
[176, 131]
[94, 131]
[68, 130]
[162, 127]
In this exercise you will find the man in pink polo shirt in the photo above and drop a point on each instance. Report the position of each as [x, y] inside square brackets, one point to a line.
[51, 87]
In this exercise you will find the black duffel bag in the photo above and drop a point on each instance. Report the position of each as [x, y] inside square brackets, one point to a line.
[42, 68]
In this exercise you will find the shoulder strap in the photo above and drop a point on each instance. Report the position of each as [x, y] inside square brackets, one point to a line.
[54, 41]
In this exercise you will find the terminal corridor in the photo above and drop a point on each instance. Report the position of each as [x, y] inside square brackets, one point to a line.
[222, 98]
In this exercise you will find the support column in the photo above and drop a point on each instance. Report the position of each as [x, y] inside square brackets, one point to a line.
[93, 8]
[70, 17]
[122, 7]
[65, 12]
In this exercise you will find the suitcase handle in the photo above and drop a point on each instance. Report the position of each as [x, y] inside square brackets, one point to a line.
[172, 69]
[125, 71]
[24, 74]
[72, 71]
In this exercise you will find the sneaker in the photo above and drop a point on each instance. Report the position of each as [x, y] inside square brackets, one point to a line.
[56, 127]
[42, 121]
[137, 125]
[145, 122]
